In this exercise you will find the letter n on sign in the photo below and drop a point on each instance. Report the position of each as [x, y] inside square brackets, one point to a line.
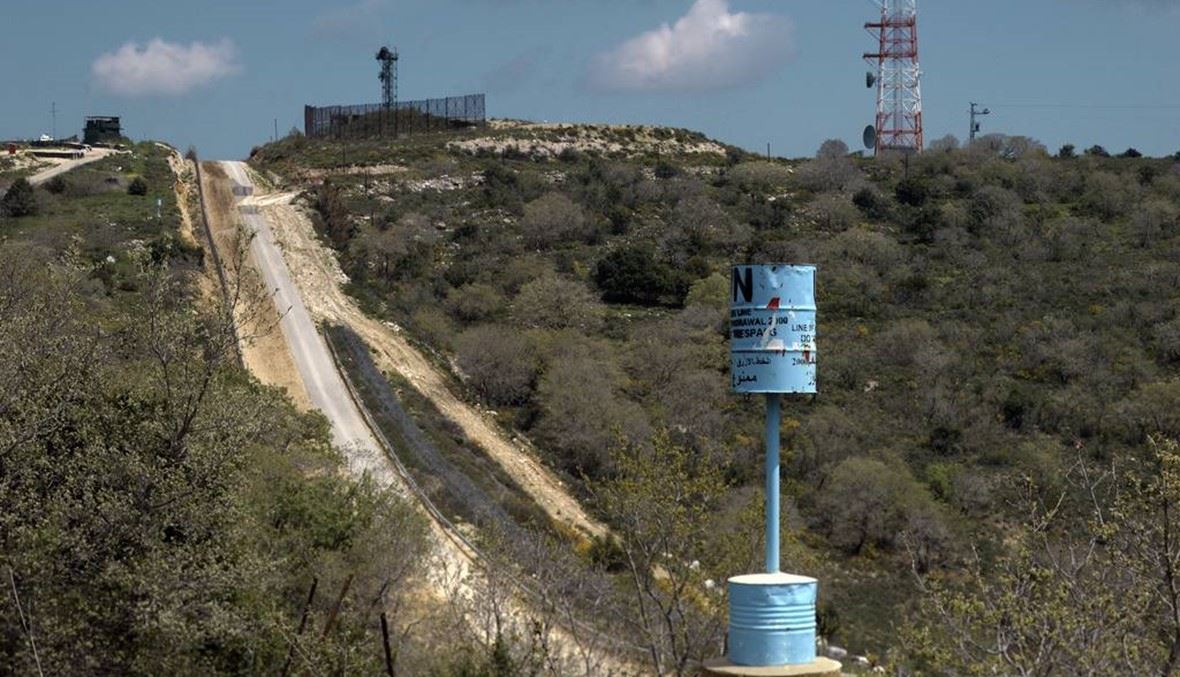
[743, 281]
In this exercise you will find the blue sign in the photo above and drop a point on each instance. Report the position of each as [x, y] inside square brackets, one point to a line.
[772, 329]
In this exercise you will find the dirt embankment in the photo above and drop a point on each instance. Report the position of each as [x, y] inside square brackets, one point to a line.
[185, 189]
[263, 348]
[319, 278]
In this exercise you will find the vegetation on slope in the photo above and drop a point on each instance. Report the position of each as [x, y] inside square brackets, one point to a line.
[990, 317]
[162, 513]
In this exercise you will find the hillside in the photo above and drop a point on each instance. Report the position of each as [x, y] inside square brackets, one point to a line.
[989, 317]
[163, 511]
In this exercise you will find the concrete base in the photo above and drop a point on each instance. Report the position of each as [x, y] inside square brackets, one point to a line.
[820, 667]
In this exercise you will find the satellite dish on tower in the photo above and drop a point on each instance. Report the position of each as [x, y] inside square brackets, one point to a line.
[870, 79]
[870, 137]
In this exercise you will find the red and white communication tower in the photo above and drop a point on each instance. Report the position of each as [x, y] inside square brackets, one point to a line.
[899, 93]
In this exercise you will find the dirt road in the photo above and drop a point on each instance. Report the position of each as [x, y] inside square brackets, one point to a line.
[319, 277]
[317, 370]
[66, 165]
[263, 349]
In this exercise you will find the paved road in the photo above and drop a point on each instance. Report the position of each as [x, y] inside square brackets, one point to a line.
[45, 175]
[324, 385]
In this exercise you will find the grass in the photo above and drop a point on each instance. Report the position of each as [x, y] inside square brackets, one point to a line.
[107, 229]
[9, 171]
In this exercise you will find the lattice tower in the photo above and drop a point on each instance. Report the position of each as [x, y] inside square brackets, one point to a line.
[899, 92]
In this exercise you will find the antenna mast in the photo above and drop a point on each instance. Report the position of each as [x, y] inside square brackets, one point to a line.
[388, 76]
[899, 93]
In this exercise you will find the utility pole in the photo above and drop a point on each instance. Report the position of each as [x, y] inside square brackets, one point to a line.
[975, 125]
[276, 129]
[53, 113]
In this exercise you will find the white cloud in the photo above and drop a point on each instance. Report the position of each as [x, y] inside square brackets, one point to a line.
[710, 47]
[164, 68]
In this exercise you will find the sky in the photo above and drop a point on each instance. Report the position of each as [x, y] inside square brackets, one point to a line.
[218, 74]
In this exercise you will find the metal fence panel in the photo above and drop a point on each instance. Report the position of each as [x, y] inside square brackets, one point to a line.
[404, 117]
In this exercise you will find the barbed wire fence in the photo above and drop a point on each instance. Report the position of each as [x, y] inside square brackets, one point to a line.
[377, 120]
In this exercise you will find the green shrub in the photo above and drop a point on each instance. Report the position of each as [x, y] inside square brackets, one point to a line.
[19, 200]
[912, 191]
[632, 275]
[552, 220]
[137, 186]
[499, 363]
[57, 185]
[666, 170]
[475, 302]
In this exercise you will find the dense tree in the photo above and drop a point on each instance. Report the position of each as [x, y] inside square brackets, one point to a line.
[476, 302]
[827, 174]
[403, 250]
[831, 149]
[583, 413]
[912, 192]
[835, 212]
[554, 302]
[945, 144]
[329, 203]
[19, 200]
[552, 220]
[498, 362]
[633, 275]
[162, 511]
[866, 503]
[759, 176]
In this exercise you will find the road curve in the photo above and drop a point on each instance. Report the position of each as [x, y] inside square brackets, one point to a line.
[325, 388]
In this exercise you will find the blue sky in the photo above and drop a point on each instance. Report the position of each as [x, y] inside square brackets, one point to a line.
[748, 72]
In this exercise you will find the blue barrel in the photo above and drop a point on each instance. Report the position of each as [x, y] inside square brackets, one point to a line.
[771, 619]
[772, 329]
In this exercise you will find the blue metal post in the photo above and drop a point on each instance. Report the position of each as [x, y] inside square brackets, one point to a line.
[773, 418]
